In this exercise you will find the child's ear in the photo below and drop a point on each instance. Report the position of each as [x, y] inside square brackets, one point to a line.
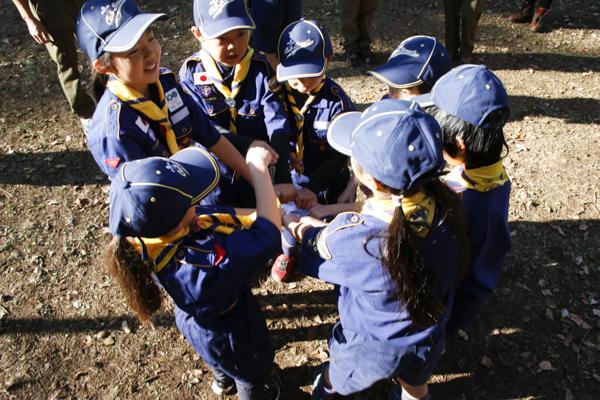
[460, 144]
[103, 69]
[196, 32]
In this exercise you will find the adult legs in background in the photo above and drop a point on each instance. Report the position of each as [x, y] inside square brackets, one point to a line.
[356, 17]
[471, 13]
[59, 17]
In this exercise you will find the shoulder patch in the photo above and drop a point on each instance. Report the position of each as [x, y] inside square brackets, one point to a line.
[174, 99]
[322, 245]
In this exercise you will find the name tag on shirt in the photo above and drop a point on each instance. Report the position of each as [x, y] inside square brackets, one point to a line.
[179, 115]
[321, 125]
[174, 100]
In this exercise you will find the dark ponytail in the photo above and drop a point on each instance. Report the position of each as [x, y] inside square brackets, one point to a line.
[134, 277]
[99, 79]
[403, 262]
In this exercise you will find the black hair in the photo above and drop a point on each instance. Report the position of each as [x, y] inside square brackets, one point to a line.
[424, 88]
[99, 79]
[484, 146]
[402, 261]
[135, 277]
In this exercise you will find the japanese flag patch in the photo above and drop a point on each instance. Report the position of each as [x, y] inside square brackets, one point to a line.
[202, 78]
[174, 100]
[142, 124]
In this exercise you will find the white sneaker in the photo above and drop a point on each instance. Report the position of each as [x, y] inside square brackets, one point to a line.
[86, 125]
[222, 388]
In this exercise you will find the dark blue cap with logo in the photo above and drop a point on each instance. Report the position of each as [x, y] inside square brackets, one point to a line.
[112, 26]
[149, 197]
[217, 17]
[303, 51]
[468, 92]
[395, 141]
[417, 60]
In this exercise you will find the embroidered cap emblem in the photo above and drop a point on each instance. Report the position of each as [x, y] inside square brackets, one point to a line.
[217, 6]
[293, 46]
[112, 13]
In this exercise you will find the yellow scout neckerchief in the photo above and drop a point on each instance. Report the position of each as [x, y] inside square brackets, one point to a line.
[241, 70]
[222, 223]
[483, 179]
[147, 107]
[418, 208]
[299, 117]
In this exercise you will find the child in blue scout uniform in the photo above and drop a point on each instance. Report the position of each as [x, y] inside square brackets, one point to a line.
[271, 17]
[394, 263]
[231, 85]
[313, 100]
[199, 258]
[471, 106]
[412, 69]
[142, 110]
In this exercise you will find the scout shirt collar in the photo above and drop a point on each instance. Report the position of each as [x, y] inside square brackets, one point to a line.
[158, 113]
[419, 210]
[217, 222]
[483, 179]
[240, 73]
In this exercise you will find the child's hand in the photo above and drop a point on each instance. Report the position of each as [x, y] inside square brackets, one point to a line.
[259, 157]
[267, 146]
[320, 210]
[286, 192]
[306, 199]
[349, 194]
[295, 164]
[290, 218]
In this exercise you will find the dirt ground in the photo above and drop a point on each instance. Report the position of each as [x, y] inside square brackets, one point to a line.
[66, 332]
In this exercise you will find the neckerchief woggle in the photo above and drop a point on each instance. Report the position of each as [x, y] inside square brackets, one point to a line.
[299, 118]
[147, 107]
[419, 210]
[239, 74]
[483, 179]
[217, 222]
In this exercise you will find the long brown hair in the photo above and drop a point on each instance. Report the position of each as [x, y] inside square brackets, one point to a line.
[134, 277]
[402, 260]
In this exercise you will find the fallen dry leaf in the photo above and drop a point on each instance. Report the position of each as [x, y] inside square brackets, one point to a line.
[549, 314]
[547, 292]
[569, 395]
[463, 334]
[125, 327]
[486, 361]
[545, 366]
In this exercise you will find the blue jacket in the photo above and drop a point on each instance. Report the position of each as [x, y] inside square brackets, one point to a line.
[120, 134]
[322, 164]
[260, 113]
[335, 254]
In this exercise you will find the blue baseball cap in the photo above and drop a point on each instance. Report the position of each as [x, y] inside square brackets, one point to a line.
[111, 26]
[468, 92]
[149, 197]
[395, 141]
[418, 59]
[216, 17]
[303, 50]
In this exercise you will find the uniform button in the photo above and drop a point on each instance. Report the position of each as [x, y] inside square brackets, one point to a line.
[184, 129]
[181, 253]
[210, 110]
[113, 107]
[354, 218]
[411, 147]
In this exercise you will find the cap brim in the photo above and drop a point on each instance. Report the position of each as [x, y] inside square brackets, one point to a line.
[339, 133]
[202, 167]
[395, 76]
[218, 28]
[127, 36]
[424, 100]
[307, 69]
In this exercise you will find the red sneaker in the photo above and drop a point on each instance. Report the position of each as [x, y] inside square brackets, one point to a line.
[282, 268]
